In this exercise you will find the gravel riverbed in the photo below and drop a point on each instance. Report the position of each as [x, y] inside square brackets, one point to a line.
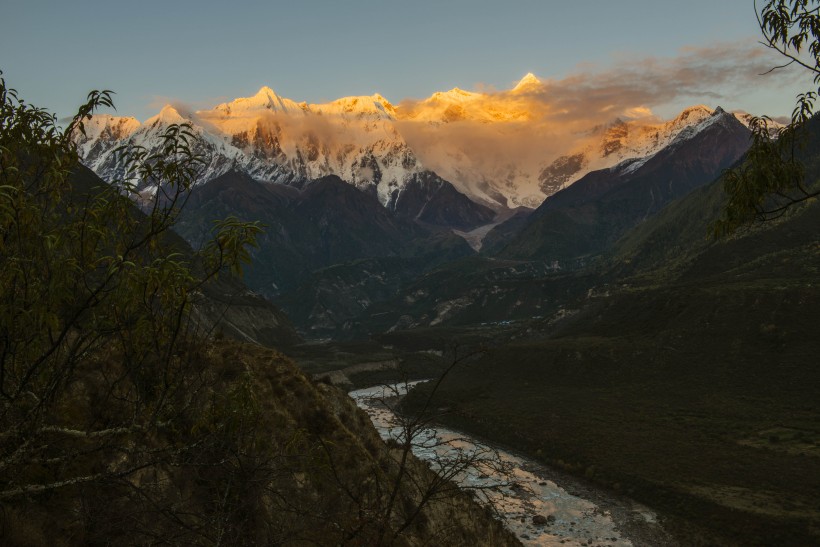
[541, 505]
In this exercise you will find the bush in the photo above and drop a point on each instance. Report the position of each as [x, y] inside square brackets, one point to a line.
[96, 376]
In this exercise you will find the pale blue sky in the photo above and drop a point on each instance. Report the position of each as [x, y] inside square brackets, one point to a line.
[204, 52]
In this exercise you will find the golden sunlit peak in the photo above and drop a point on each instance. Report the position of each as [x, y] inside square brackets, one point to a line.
[379, 98]
[456, 91]
[265, 91]
[167, 115]
[454, 95]
[527, 82]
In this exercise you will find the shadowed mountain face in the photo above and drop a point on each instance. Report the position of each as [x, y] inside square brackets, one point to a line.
[340, 264]
[589, 216]
[687, 376]
[329, 222]
[686, 373]
[540, 263]
[226, 304]
[431, 200]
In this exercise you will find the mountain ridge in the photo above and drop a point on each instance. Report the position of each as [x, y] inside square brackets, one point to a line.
[590, 215]
[325, 223]
[379, 147]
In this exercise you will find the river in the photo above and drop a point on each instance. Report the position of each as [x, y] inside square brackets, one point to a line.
[576, 514]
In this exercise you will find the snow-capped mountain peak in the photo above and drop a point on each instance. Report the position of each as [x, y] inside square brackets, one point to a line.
[527, 83]
[265, 99]
[117, 127]
[358, 105]
[168, 115]
[693, 114]
[265, 93]
[746, 119]
[499, 149]
[385, 105]
[454, 95]
[717, 116]
[103, 131]
[627, 145]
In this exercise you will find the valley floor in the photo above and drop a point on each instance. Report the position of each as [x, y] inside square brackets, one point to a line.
[684, 400]
[578, 512]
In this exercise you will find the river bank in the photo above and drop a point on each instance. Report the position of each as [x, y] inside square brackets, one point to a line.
[542, 506]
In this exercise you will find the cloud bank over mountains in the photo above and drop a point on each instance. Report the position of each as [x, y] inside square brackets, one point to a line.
[509, 147]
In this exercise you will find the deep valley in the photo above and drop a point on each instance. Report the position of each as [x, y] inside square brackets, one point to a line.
[561, 311]
[615, 338]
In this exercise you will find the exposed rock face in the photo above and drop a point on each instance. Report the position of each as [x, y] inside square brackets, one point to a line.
[615, 138]
[591, 214]
[556, 176]
[541, 520]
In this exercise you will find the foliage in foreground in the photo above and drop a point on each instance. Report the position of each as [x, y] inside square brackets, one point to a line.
[91, 286]
[772, 179]
[121, 423]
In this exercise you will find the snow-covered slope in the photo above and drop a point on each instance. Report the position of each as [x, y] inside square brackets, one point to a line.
[517, 147]
[500, 149]
[591, 214]
[611, 144]
[623, 142]
[275, 139]
[103, 132]
[354, 138]
[101, 156]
